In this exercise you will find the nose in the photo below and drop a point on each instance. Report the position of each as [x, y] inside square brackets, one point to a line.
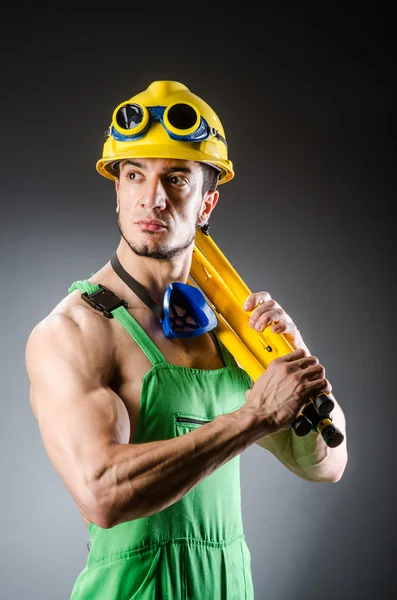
[154, 195]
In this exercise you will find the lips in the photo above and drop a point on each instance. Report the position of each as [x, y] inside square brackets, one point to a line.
[150, 225]
[150, 222]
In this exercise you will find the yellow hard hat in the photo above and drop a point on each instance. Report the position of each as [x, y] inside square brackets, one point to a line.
[165, 121]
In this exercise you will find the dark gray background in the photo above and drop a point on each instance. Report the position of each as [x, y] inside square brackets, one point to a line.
[305, 97]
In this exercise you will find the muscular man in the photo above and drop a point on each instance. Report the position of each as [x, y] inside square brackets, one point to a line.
[146, 430]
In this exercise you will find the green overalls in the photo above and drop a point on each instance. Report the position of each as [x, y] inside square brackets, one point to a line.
[195, 549]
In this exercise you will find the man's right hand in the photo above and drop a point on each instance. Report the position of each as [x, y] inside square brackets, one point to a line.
[279, 394]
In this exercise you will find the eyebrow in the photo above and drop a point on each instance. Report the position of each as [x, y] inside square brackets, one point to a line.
[175, 169]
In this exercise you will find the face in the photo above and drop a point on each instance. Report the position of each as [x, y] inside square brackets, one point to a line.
[167, 191]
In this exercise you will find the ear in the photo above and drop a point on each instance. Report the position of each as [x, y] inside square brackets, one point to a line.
[208, 206]
[116, 185]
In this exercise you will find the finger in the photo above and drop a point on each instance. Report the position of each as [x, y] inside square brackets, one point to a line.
[266, 314]
[266, 311]
[294, 355]
[284, 327]
[281, 327]
[308, 361]
[255, 299]
[303, 364]
[318, 386]
[313, 372]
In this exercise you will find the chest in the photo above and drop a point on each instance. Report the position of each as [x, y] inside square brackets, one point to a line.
[132, 364]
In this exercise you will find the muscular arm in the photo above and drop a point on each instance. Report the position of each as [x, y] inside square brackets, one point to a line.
[85, 428]
[309, 457]
[140, 480]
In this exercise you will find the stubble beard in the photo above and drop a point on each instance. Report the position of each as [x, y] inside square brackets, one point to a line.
[164, 253]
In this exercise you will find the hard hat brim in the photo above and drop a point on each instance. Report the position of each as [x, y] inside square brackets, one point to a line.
[104, 166]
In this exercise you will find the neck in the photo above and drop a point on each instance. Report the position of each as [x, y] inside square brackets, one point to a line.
[153, 274]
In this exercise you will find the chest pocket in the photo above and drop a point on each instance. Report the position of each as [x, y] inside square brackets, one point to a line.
[183, 423]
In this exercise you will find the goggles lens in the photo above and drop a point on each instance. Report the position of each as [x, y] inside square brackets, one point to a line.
[129, 116]
[182, 121]
[182, 116]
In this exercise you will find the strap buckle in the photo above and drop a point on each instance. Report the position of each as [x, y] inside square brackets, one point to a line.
[105, 300]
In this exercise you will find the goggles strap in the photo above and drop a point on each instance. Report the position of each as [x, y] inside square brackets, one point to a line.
[136, 287]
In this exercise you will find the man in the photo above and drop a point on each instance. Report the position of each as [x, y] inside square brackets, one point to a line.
[146, 429]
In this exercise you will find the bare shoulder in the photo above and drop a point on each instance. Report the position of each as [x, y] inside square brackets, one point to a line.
[72, 322]
[69, 359]
[74, 333]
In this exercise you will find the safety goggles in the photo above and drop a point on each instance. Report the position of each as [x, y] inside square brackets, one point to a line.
[181, 120]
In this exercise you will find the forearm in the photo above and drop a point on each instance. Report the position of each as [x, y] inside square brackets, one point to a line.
[311, 455]
[142, 479]
[318, 461]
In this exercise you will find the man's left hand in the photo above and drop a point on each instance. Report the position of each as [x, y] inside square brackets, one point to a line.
[266, 311]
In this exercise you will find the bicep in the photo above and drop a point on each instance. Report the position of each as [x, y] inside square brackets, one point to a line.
[79, 416]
